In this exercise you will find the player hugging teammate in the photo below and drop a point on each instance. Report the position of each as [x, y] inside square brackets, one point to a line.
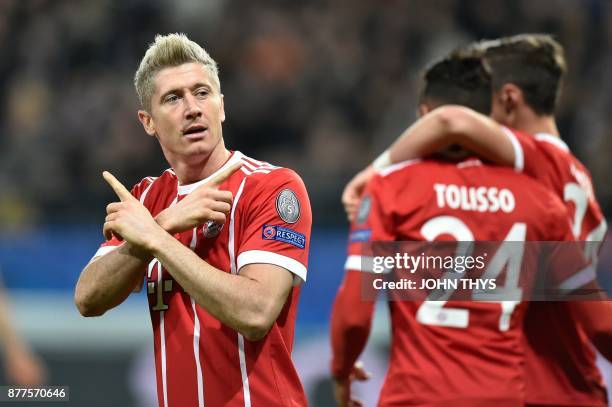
[491, 102]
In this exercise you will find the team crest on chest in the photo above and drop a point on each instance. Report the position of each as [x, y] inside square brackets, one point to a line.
[211, 229]
[288, 206]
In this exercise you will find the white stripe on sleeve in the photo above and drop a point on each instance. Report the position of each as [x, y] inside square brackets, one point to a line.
[264, 257]
[519, 156]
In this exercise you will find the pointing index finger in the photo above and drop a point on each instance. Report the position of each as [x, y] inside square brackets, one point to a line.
[120, 190]
[225, 174]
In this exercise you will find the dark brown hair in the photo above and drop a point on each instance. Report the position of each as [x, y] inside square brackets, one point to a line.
[460, 79]
[533, 62]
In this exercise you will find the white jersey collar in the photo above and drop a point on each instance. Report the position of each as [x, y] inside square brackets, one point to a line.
[549, 138]
[186, 189]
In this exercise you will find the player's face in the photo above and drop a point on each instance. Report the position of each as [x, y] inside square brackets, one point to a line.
[186, 113]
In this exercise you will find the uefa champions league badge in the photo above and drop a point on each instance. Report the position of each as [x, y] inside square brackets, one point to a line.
[288, 206]
[364, 209]
[211, 229]
[269, 232]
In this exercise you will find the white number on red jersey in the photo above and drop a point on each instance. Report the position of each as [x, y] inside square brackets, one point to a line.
[509, 256]
[575, 193]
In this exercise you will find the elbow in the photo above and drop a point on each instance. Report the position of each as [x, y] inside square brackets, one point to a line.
[86, 307]
[258, 323]
[256, 330]
[254, 334]
[453, 120]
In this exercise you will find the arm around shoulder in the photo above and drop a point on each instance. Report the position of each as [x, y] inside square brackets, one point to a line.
[454, 124]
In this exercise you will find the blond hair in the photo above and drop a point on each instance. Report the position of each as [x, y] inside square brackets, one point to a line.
[165, 52]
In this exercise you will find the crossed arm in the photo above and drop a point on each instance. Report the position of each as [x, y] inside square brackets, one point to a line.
[249, 302]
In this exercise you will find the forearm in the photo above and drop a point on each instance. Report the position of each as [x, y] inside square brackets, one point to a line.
[423, 138]
[350, 327]
[449, 125]
[8, 335]
[166, 221]
[235, 300]
[107, 281]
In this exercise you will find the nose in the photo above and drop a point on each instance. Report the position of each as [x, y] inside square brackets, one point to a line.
[192, 109]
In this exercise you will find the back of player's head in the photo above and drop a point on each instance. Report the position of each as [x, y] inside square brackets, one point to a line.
[168, 51]
[460, 78]
[533, 62]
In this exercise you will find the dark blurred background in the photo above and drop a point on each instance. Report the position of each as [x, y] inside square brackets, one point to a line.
[319, 86]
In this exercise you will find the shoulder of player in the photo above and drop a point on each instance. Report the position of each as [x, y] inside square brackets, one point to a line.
[398, 168]
[168, 177]
[545, 140]
[567, 156]
[262, 175]
[402, 175]
[407, 177]
[563, 158]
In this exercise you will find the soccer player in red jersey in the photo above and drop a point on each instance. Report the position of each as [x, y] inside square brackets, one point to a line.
[449, 353]
[220, 238]
[527, 74]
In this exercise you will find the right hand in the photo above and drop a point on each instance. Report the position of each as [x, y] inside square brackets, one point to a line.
[353, 190]
[205, 203]
[342, 387]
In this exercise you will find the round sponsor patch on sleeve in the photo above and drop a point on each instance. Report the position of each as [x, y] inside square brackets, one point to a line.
[288, 206]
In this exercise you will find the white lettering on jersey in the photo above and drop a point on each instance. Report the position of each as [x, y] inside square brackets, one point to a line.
[478, 199]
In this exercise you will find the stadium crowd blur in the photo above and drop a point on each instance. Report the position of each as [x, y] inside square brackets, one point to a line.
[320, 86]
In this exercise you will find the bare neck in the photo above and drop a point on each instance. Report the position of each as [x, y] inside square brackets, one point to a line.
[534, 124]
[194, 169]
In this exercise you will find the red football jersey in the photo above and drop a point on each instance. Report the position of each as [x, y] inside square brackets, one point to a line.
[560, 360]
[199, 360]
[447, 353]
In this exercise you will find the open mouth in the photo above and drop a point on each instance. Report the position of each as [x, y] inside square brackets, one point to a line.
[195, 131]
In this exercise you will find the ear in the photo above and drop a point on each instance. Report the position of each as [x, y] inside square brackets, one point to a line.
[222, 107]
[147, 122]
[511, 97]
[423, 109]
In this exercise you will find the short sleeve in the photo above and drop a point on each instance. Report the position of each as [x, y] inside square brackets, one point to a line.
[371, 224]
[275, 222]
[529, 158]
[139, 191]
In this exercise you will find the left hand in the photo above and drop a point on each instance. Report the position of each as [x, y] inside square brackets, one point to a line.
[205, 203]
[342, 387]
[128, 218]
[351, 195]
